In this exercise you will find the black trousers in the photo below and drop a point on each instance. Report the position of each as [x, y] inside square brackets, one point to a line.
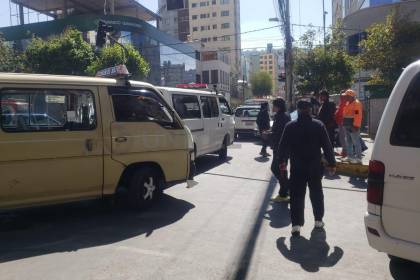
[281, 177]
[298, 182]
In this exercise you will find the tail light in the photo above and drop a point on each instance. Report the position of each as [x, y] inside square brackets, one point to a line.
[376, 182]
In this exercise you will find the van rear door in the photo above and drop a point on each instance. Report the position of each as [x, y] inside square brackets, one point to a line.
[401, 200]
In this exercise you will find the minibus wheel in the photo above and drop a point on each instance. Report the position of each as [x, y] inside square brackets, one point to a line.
[145, 187]
[223, 150]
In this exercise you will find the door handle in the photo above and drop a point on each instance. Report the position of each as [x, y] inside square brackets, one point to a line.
[121, 139]
[89, 144]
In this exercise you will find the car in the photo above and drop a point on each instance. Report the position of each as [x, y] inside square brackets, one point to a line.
[208, 116]
[69, 138]
[246, 120]
[392, 220]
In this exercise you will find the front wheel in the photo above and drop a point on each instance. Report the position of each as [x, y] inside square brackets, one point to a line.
[145, 187]
[223, 150]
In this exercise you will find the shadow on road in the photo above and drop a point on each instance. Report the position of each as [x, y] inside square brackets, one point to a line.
[310, 254]
[404, 270]
[262, 159]
[208, 162]
[279, 215]
[77, 226]
[358, 183]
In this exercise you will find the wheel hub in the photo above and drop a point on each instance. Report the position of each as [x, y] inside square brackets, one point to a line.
[150, 188]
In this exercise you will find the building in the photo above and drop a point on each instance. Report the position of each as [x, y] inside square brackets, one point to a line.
[215, 23]
[171, 61]
[215, 71]
[270, 62]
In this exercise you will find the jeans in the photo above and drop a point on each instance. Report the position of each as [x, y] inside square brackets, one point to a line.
[298, 182]
[353, 140]
[342, 137]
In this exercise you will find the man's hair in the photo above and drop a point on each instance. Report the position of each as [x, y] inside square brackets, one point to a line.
[264, 105]
[280, 103]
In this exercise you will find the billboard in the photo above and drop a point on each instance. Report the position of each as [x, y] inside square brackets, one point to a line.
[174, 4]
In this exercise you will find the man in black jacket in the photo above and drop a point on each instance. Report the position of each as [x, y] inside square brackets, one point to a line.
[281, 118]
[302, 141]
[263, 123]
[327, 114]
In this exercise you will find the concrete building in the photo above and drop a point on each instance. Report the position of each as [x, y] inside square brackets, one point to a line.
[171, 61]
[215, 72]
[270, 62]
[216, 23]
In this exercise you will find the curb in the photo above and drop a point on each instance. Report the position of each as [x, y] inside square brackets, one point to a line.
[353, 170]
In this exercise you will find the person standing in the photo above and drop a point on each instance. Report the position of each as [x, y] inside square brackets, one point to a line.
[339, 118]
[327, 114]
[352, 121]
[263, 123]
[281, 118]
[303, 140]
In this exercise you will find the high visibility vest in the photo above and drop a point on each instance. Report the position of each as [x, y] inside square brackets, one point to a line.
[352, 114]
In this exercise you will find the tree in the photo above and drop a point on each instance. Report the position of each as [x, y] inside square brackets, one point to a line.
[115, 55]
[262, 84]
[66, 54]
[388, 48]
[10, 60]
[323, 67]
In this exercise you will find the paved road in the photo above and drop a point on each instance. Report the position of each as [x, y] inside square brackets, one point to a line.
[224, 228]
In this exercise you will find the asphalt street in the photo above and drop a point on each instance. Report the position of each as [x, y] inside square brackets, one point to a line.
[223, 228]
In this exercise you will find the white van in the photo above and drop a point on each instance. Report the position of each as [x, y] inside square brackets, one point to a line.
[207, 115]
[393, 217]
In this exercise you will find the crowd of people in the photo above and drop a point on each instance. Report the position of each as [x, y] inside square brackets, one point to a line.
[320, 126]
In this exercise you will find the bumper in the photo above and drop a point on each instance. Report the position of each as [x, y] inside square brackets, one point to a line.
[244, 131]
[387, 244]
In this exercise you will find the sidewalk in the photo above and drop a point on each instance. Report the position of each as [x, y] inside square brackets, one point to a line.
[356, 170]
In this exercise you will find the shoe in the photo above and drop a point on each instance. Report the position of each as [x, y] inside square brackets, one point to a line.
[279, 198]
[296, 231]
[319, 224]
[355, 161]
[346, 159]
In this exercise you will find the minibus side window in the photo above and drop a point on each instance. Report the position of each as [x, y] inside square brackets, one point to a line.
[206, 106]
[224, 107]
[406, 130]
[30, 110]
[186, 106]
[214, 107]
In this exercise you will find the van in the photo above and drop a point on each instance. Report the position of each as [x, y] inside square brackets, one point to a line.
[393, 215]
[68, 138]
[246, 120]
[207, 115]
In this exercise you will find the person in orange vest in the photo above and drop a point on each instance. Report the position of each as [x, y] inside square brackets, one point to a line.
[352, 121]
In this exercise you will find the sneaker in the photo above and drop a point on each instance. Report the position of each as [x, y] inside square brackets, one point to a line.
[346, 159]
[296, 231]
[355, 161]
[319, 224]
[279, 198]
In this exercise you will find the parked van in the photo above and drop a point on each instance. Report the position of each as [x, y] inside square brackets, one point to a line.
[246, 120]
[393, 216]
[207, 115]
[68, 138]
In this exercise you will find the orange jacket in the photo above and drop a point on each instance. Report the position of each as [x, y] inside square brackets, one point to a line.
[352, 114]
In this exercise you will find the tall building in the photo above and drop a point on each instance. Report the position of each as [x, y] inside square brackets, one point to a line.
[215, 23]
[271, 62]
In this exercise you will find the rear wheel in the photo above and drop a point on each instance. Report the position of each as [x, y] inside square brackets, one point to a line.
[223, 150]
[398, 259]
[145, 187]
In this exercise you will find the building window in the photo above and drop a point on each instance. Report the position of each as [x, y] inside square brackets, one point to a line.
[214, 14]
[215, 39]
[270, 62]
[213, 2]
[225, 25]
[214, 26]
[194, 5]
[225, 13]
[203, 28]
[214, 76]
[194, 17]
[224, 2]
[271, 67]
[204, 40]
[206, 77]
[226, 38]
[204, 4]
[195, 29]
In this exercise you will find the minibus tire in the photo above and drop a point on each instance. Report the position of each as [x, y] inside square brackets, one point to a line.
[145, 187]
[398, 259]
[223, 150]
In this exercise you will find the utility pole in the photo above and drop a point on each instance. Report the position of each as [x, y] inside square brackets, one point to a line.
[288, 56]
[323, 18]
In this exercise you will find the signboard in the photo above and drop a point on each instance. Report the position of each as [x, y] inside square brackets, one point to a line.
[193, 86]
[115, 71]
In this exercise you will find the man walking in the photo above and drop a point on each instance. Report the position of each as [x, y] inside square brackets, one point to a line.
[281, 118]
[263, 123]
[352, 121]
[339, 119]
[303, 140]
[326, 114]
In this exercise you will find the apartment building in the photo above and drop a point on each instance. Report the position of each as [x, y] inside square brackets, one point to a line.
[272, 62]
[215, 23]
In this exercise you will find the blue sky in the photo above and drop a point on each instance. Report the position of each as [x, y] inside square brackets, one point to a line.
[253, 16]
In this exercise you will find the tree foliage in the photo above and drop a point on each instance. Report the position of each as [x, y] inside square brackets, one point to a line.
[66, 54]
[318, 68]
[10, 60]
[389, 47]
[115, 55]
[262, 84]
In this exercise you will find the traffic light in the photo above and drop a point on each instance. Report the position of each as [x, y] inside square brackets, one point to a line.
[282, 77]
[103, 28]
